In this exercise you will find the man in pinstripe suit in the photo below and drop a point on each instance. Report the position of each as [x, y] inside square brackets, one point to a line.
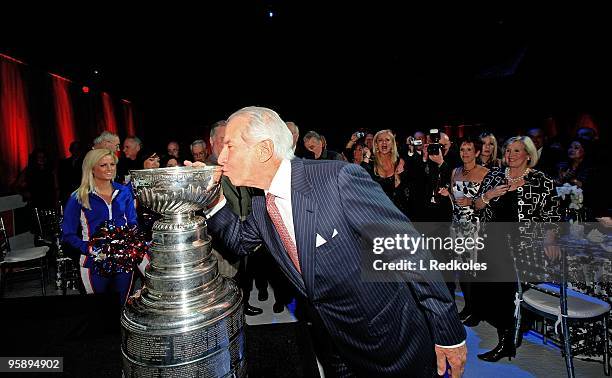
[312, 220]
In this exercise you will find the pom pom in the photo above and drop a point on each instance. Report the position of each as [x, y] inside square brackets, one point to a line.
[117, 249]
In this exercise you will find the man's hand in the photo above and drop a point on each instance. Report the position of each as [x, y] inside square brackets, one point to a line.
[215, 180]
[194, 164]
[456, 358]
[605, 221]
[218, 172]
[438, 159]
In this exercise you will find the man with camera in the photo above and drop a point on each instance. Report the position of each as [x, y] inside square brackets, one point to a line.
[434, 160]
[439, 160]
[437, 207]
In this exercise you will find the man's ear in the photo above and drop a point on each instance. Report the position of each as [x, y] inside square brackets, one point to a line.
[264, 150]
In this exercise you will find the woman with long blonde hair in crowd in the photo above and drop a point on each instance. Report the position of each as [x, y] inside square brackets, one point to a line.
[387, 169]
[488, 156]
[97, 200]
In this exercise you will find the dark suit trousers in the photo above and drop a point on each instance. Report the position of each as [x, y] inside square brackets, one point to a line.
[325, 348]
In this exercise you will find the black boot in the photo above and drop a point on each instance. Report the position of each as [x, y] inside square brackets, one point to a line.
[251, 310]
[505, 347]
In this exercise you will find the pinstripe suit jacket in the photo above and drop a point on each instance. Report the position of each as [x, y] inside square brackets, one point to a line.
[379, 328]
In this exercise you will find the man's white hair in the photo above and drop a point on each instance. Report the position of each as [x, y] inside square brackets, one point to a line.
[105, 136]
[265, 124]
[198, 142]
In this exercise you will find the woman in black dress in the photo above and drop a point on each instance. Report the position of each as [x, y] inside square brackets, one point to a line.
[518, 195]
[387, 169]
[580, 169]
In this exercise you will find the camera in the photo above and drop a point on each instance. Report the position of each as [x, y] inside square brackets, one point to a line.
[414, 142]
[360, 134]
[434, 146]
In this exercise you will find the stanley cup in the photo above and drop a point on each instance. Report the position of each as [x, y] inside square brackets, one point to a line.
[188, 320]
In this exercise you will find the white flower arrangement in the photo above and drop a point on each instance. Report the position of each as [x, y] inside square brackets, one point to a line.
[574, 193]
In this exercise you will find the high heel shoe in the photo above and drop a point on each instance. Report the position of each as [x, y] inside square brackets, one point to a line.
[505, 348]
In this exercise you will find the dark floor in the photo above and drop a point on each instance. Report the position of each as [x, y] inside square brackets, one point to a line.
[534, 359]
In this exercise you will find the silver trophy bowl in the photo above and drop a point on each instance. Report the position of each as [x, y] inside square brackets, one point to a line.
[175, 190]
[188, 320]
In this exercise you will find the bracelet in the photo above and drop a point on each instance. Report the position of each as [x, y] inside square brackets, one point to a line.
[484, 200]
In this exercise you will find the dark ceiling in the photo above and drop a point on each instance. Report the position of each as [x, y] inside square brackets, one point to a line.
[328, 66]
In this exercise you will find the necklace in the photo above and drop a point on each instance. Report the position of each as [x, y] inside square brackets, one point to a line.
[515, 179]
[465, 172]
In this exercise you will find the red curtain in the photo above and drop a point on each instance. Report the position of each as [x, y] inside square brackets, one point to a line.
[63, 114]
[15, 133]
[129, 117]
[109, 113]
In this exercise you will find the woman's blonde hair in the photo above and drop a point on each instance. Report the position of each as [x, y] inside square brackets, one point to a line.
[88, 184]
[394, 153]
[530, 148]
[493, 156]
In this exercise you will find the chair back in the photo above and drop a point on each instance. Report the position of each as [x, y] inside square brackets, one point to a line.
[48, 223]
[5, 247]
[531, 262]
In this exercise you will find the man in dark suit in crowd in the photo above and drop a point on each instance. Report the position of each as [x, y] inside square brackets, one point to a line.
[312, 220]
[132, 158]
[548, 158]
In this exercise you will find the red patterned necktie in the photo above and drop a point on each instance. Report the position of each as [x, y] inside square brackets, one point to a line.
[277, 220]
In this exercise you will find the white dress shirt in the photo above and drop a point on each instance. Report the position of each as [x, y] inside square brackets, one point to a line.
[280, 187]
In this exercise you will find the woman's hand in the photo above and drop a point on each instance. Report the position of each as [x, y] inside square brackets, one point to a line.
[498, 191]
[576, 182]
[551, 248]
[400, 167]
[367, 154]
[464, 201]
[443, 192]
[552, 252]
[352, 141]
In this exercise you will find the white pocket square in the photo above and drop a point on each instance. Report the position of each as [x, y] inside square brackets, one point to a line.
[335, 233]
[320, 241]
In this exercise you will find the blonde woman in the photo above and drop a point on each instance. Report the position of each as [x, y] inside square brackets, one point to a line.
[387, 169]
[98, 199]
[512, 195]
[488, 156]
